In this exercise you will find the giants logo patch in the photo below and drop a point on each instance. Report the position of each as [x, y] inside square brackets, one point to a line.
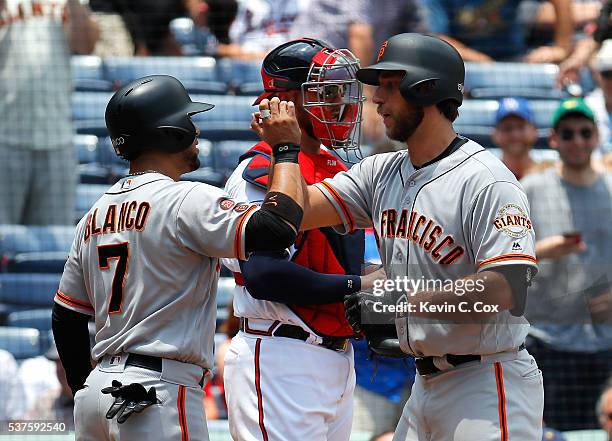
[513, 221]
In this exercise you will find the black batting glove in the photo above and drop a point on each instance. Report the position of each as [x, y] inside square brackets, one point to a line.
[129, 399]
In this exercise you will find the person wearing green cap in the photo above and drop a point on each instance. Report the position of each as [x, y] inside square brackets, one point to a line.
[570, 308]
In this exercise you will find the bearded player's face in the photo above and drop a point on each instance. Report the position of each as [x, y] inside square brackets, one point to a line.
[190, 155]
[399, 117]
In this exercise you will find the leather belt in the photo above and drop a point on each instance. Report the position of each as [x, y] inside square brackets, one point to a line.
[144, 361]
[152, 363]
[426, 366]
[337, 344]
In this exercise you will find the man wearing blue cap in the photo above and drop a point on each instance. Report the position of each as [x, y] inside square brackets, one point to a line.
[515, 134]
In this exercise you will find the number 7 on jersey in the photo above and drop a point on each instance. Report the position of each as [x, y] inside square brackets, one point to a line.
[120, 251]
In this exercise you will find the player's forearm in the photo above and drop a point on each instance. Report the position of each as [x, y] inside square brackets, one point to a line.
[72, 341]
[472, 299]
[318, 210]
[83, 32]
[287, 179]
[269, 276]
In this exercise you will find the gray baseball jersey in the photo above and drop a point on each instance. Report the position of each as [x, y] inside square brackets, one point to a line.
[463, 214]
[145, 262]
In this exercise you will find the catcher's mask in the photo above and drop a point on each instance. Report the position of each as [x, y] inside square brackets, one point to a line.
[333, 98]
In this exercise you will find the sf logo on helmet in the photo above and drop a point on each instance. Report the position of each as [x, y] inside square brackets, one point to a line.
[118, 141]
[382, 50]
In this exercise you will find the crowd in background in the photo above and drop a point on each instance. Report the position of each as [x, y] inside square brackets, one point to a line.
[570, 197]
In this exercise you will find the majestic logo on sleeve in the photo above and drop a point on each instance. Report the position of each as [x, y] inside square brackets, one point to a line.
[512, 220]
[423, 231]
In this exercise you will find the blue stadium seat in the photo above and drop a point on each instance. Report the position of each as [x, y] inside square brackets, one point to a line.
[198, 74]
[227, 108]
[86, 147]
[28, 289]
[496, 80]
[87, 195]
[482, 112]
[227, 153]
[225, 291]
[17, 239]
[38, 262]
[206, 175]
[35, 249]
[238, 72]
[21, 342]
[96, 174]
[87, 74]
[89, 105]
[31, 318]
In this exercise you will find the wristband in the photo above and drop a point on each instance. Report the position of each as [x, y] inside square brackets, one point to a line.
[285, 152]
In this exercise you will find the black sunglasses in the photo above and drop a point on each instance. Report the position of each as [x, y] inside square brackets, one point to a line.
[568, 134]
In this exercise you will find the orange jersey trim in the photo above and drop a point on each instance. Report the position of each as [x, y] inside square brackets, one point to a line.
[180, 404]
[501, 402]
[342, 204]
[238, 238]
[505, 257]
[73, 302]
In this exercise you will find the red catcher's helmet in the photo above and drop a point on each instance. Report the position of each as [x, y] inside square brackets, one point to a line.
[331, 94]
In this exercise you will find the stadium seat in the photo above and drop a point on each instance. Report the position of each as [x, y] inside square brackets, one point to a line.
[17, 239]
[477, 118]
[28, 289]
[239, 72]
[87, 74]
[227, 153]
[87, 195]
[38, 262]
[34, 249]
[198, 74]
[206, 175]
[31, 318]
[86, 147]
[227, 108]
[89, 105]
[225, 291]
[497, 80]
[21, 342]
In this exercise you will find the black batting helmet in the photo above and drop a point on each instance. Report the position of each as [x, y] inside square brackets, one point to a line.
[152, 113]
[286, 67]
[424, 59]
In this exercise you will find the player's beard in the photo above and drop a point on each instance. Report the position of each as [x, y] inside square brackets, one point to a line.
[406, 124]
[191, 159]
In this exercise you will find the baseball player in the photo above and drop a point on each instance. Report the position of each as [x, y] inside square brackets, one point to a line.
[457, 245]
[290, 304]
[144, 263]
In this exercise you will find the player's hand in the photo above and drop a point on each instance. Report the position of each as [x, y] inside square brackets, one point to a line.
[554, 247]
[276, 122]
[368, 280]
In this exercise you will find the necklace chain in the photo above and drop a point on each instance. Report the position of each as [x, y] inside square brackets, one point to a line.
[142, 172]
